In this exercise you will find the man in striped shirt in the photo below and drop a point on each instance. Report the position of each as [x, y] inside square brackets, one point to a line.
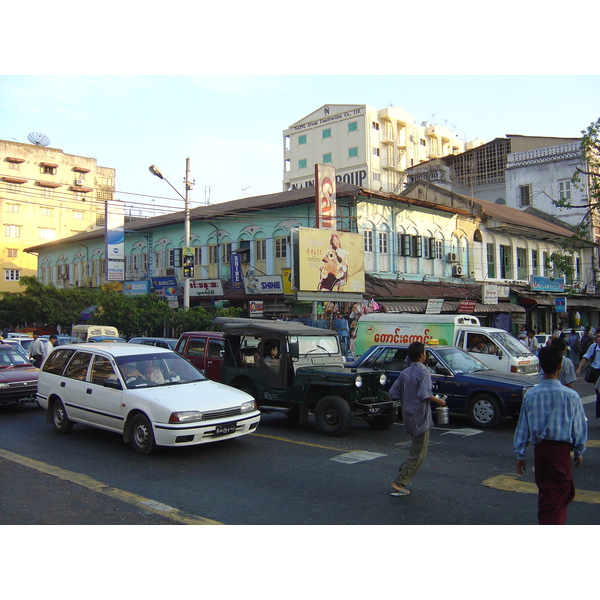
[553, 420]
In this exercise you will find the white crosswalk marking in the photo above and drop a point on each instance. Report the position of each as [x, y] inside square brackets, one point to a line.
[354, 457]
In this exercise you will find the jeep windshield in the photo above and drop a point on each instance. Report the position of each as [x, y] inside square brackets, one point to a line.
[316, 344]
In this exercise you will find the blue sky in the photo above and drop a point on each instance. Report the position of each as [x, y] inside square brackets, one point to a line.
[231, 126]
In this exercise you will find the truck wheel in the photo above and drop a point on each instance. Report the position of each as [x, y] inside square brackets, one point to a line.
[484, 411]
[333, 416]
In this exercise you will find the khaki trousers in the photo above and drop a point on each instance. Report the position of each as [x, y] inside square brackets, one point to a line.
[416, 456]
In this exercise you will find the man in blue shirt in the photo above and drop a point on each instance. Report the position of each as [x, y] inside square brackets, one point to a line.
[592, 355]
[414, 388]
[553, 420]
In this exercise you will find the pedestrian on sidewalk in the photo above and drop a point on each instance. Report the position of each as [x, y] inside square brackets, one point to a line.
[414, 389]
[593, 356]
[553, 420]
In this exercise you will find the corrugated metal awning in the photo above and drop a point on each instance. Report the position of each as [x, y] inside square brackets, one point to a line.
[449, 307]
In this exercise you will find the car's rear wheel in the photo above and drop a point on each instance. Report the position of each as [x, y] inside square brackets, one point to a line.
[333, 416]
[142, 436]
[484, 411]
[60, 420]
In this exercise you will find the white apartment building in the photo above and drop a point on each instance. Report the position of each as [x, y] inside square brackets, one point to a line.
[368, 147]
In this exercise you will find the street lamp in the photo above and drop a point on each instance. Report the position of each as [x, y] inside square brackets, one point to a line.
[186, 241]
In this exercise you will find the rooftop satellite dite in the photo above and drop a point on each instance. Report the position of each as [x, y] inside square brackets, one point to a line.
[39, 139]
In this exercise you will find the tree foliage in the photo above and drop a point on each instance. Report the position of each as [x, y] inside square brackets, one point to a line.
[42, 305]
[586, 180]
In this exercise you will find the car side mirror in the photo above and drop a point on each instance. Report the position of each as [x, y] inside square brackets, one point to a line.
[294, 349]
[499, 353]
[112, 383]
[440, 370]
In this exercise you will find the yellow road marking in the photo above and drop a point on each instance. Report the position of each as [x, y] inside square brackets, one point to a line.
[97, 486]
[280, 439]
[592, 444]
[513, 484]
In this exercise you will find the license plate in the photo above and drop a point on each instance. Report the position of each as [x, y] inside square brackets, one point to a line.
[375, 410]
[225, 429]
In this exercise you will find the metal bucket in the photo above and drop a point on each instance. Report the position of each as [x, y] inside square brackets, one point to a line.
[441, 415]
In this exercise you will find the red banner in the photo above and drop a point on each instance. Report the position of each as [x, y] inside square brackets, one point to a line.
[325, 197]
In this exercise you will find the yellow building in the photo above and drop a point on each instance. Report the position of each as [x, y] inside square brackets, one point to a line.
[45, 195]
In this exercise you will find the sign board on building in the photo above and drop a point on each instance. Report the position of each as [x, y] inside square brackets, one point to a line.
[434, 306]
[187, 257]
[236, 272]
[115, 270]
[546, 284]
[590, 289]
[206, 287]
[256, 308]
[286, 276]
[325, 199]
[466, 306]
[323, 261]
[489, 293]
[136, 288]
[560, 305]
[262, 284]
[114, 230]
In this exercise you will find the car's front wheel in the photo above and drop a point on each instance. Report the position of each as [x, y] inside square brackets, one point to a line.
[142, 436]
[60, 420]
[484, 411]
[333, 416]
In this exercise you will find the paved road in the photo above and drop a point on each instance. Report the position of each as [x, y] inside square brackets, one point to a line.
[280, 475]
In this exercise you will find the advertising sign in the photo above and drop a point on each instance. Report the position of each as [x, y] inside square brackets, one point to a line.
[206, 287]
[560, 305]
[114, 229]
[328, 261]
[115, 270]
[547, 284]
[236, 272]
[286, 276]
[136, 288]
[325, 197]
[263, 284]
[489, 293]
[256, 308]
[187, 257]
[394, 333]
[466, 306]
[434, 306]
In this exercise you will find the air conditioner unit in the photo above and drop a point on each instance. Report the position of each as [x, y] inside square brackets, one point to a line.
[79, 182]
[457, 271]
[170, 271]
[452, 257]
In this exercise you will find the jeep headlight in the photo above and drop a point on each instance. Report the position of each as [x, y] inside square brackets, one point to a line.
[382, 379]
[358, 381]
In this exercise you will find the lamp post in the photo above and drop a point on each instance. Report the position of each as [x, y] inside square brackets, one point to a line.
[186, 238]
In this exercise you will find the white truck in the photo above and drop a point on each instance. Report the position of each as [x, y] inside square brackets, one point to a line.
[494, 347]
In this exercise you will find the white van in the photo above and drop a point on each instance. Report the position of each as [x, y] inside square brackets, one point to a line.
[82, 333]
[494, 347]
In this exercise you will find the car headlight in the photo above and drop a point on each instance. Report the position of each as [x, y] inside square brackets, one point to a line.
[358, 381]
[187, 416]
[3, 386]
[382, 379]
[248, 406]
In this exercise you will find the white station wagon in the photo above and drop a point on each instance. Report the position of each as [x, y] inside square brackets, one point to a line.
[152, 396]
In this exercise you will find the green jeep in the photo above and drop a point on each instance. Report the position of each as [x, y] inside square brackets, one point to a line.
[298, 370]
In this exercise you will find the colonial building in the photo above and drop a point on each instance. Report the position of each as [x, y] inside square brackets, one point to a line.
[45, 195]
[525, 172]
[429, 244]
[368, 147]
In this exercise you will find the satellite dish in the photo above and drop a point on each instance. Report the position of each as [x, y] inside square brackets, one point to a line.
[39, 139]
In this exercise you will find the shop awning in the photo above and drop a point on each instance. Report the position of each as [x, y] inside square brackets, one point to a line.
[448, 307]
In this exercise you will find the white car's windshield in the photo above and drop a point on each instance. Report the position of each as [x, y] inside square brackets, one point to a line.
[149, 370]
[513, 346]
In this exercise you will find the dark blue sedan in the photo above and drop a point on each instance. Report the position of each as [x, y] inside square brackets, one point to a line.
[471, 388]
